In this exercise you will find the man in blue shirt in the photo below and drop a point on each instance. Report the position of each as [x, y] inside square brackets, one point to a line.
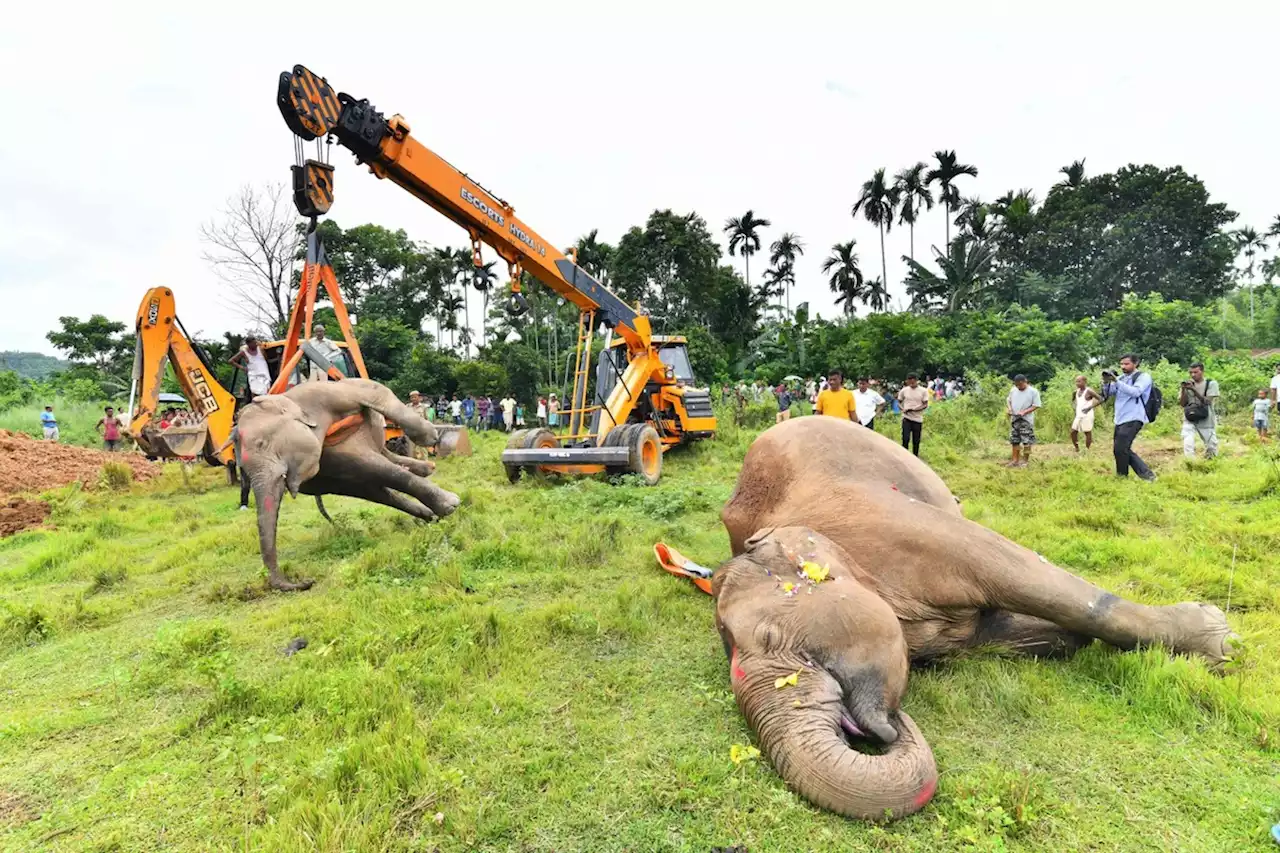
[1131, 391]
[49, 424]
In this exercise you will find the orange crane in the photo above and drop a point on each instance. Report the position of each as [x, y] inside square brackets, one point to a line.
[644, 400]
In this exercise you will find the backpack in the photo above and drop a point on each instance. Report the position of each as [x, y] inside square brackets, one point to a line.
[1153, 404]
[1198, 410]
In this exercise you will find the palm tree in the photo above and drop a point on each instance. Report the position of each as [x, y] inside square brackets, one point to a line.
[878, 202]
[973, 219]
[1274, 230]
[1250, 242]
[965, 271]
[845, 276]
[450, 305]
[593, 256]
[1075, 176]
[483, 278]
[783, 254]
[875, 295]
[744, 235]
[775, 282]
[945, 175]
[913, 193]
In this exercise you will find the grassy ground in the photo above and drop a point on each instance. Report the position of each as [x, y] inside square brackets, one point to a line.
[77, 422]
[521, 677]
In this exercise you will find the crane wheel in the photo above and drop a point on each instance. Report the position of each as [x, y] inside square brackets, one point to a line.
[539, 439]
[619, 436]
[400, 446]
[515, 442]
[646, 453]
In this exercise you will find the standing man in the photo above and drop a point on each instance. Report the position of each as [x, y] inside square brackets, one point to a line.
[914, 399]
[784, 403]
[836, 401]
[1131, 390]
[110, 426]
[49, 424]
[1085, 400]
[1199, 399]
[455, 410]
[508, 405]
[253, 362]
[1275, 389]
[415, 403]
[867, 403]
[483, 405]
[1021, 405]
[469, 410]
[326, 348]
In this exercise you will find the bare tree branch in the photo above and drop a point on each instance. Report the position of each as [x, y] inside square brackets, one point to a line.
[252, 250]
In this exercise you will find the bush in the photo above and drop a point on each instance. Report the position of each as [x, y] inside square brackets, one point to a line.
[115, 476]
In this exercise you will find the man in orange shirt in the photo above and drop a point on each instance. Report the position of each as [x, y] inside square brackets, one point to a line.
[836, 401]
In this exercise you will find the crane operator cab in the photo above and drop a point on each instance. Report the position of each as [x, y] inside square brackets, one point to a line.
[679, 411]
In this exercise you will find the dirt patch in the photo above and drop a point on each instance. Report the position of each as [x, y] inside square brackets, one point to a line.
[18, 514]
[28, 465]
[14, 809]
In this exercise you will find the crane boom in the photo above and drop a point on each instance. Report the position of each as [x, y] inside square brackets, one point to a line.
[312, 109]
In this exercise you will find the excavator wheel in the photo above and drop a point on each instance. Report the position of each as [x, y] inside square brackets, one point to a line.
[515, 442]
[400, 445]
[619, 436]
[539, 439]
[646, 453]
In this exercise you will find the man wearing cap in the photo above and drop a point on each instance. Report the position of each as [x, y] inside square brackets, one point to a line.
[1021, 405]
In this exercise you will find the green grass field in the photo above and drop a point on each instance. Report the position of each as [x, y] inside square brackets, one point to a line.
[521, 677]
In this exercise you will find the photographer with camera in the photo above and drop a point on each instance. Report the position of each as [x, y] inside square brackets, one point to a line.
[1132, 390]
[1198, 399]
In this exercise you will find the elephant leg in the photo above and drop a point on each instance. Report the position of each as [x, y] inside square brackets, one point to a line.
[1027, 635]
[989, 571]
[357, 488]
[399, 479]
[405, 504]
[417, 466]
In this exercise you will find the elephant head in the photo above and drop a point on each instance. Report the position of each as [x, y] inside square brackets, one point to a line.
[818, 665]
[277, 449]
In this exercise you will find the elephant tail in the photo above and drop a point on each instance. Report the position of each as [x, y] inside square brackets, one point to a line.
[800, 722]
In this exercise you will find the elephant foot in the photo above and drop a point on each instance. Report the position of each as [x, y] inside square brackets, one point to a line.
[445, 503]
[1203, 630]
[282, 584]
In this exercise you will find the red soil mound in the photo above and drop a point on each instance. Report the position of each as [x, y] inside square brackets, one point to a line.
[28, 465]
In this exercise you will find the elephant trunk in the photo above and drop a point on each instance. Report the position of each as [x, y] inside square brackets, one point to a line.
[268, 492]
[801, 729]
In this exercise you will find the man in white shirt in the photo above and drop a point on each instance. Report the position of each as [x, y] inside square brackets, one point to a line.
[508, 405]
[867, 404]
[253, 362]
[1275, 389]
[326, 348]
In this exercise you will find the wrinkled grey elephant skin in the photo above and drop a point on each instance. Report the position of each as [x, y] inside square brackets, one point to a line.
[819, 664]
[280, 446]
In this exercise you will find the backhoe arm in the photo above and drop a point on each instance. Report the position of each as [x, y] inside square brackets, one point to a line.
[160, 340]
[312, 108]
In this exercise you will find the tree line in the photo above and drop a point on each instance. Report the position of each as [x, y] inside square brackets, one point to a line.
[1021, 283]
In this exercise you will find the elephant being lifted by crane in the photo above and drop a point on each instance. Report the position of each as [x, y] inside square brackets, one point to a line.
[851, 562]
[283, 443]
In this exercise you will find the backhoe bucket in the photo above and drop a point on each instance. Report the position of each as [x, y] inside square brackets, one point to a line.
[454, 441]
[178, 442]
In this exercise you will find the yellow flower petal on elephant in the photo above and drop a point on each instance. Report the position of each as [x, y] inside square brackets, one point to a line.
[815, 573]
[741, 752]
[787, 680]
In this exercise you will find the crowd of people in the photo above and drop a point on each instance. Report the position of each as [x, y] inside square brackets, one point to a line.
[486, 412]
[829, 396]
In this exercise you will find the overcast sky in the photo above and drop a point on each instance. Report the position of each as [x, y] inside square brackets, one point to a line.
[126, 130]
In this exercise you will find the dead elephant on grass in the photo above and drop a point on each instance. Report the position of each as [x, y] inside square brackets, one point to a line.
[851, 562]
[284, 443]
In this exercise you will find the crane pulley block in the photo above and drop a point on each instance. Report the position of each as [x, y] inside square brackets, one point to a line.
[310, 106]
[313, 188]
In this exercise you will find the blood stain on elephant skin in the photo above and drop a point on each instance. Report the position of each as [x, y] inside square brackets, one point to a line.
[926, 793]
[735, 669]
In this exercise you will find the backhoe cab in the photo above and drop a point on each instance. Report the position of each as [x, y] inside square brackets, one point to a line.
[641, 401]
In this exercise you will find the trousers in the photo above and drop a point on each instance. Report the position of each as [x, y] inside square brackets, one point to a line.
[1207, 430]
[1123, 449]
[911, 434]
